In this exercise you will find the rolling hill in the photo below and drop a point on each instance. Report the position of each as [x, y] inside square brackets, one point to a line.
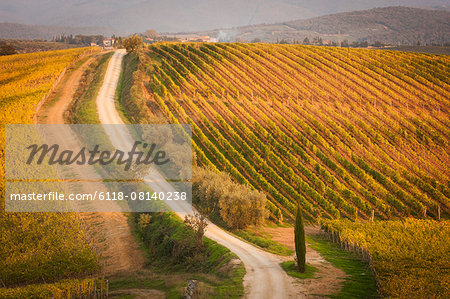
[182, 15]
[28, 32]
[391, 25]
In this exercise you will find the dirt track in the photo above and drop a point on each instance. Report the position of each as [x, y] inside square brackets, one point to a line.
[110, 231]
[53, 110]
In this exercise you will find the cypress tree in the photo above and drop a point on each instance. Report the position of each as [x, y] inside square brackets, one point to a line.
[300, 246]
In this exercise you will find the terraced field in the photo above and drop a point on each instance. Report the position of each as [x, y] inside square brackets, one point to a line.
[344, 132]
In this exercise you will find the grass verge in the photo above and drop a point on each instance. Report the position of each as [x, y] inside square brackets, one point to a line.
[83, 109]
[263, 241]
[291, 269]
[360, 282]
[173, 252]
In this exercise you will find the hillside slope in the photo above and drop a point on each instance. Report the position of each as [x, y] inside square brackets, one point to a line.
[340, 131]
[22, 31]
[392, 25]
[181, 15]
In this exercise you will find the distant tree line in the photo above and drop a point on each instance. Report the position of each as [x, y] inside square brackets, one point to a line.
[7, 49]
[318, 41]
[151, 35]
[79, 39]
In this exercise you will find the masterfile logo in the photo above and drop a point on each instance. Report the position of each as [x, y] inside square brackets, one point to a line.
[135, 168]
[95, 156]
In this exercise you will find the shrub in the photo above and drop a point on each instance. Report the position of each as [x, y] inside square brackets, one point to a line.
[133, 43]
[198, 223]
[217, 196]
[235, 210]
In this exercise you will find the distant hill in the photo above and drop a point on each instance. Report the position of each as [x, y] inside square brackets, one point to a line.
[391, 25]
[21, 31]
[30, 46]
[183, 15]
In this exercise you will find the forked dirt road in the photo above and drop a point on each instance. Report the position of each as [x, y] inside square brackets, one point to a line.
[111, 234]
[264, 279]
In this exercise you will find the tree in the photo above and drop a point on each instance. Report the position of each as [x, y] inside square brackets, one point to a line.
[377, 44]
[151, 33]
[317, 41]
[217, 196]
[306, 41]
[133, 43]
[300, 246]
[235, 210]
[198, 223]
[7, 49]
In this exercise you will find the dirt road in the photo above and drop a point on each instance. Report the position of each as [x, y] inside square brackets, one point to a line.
[264, 278]
[53, 110]
[110, 232]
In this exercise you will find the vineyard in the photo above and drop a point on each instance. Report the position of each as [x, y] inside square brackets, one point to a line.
[37, 247]
[410, 256]
[346, 133]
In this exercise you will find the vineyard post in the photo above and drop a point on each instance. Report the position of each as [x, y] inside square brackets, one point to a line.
[438, 212]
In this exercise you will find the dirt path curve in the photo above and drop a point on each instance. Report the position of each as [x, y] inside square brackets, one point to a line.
[110, 232]
[329, 277]
[265, 278]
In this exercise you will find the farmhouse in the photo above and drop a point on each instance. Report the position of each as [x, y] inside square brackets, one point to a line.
[108, 42]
